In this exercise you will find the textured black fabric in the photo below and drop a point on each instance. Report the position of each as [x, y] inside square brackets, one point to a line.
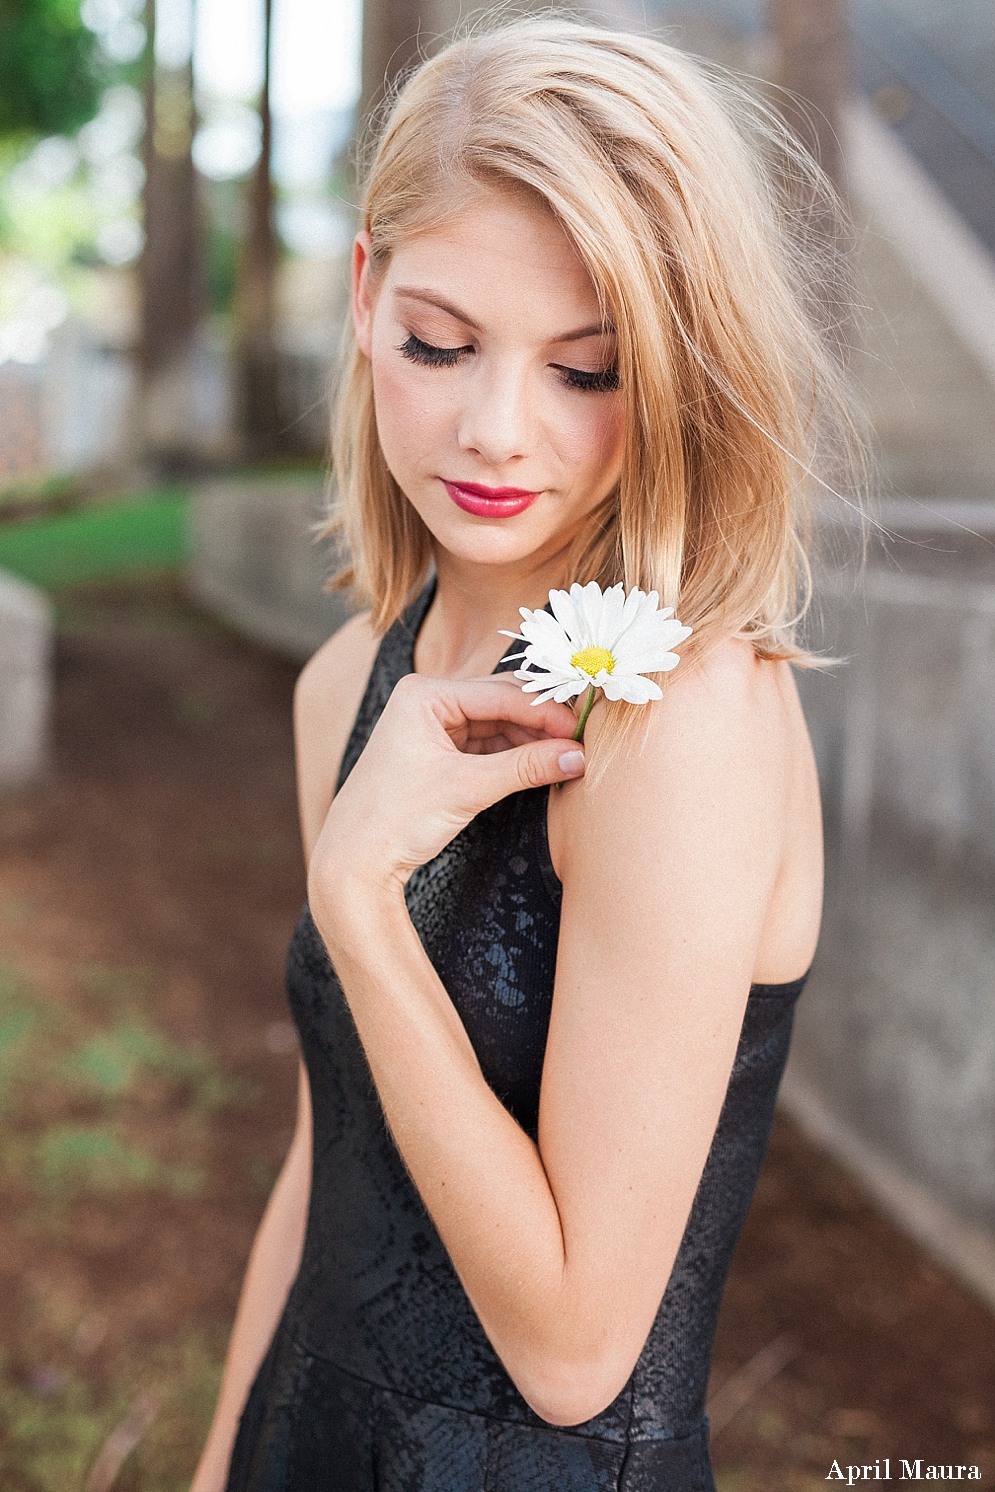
[380, 1375]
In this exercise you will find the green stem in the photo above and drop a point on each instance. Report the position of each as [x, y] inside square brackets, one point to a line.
[586, 708]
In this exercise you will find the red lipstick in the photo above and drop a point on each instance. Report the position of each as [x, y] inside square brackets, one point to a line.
[490, 502]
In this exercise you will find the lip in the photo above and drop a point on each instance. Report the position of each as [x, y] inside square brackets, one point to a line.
[490, 502]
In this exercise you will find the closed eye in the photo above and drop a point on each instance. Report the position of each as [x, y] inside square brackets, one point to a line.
[605, 381]
[430, 356]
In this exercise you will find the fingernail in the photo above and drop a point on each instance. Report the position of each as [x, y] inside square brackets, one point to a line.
[571, 763]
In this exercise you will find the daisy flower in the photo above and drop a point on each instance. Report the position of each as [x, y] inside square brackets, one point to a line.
[598, 640]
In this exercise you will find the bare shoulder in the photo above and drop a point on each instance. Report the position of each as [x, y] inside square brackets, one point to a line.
[328, 694]
[730, 712]
[730, 681]
[712, 763]
[341, 666]
[715, 788]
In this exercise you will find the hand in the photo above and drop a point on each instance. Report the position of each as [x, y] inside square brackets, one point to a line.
[440, 753]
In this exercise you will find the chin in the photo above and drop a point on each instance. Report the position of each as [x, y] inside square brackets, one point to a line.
[486, 552]
[482, 541]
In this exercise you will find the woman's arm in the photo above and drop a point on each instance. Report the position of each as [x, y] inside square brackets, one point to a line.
[273, 1264]
[669, 868]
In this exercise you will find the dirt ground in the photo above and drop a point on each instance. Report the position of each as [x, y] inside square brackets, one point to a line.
[147, 892]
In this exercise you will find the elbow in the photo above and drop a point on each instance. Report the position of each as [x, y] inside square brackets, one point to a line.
[574, 1360]
[569, 1394]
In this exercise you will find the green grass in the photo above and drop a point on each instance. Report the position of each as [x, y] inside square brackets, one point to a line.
[99, 542]
[98, 1105]
[55, 1418]
[86, 1087]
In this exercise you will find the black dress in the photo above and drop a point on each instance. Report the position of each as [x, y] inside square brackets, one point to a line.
[380, 1375]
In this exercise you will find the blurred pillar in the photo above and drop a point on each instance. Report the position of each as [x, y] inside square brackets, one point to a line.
[170, 270]
[813, 39]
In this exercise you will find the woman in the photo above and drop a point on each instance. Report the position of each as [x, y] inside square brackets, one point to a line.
[542, 1031]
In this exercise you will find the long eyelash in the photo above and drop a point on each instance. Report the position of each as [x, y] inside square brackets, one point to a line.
[605, 382]
[431, 357]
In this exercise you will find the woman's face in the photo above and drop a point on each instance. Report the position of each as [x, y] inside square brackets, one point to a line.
[494, 380]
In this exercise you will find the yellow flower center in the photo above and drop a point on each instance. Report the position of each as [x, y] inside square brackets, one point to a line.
[593, 660]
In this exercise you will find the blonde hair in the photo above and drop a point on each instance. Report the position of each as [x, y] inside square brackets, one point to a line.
[680, 194]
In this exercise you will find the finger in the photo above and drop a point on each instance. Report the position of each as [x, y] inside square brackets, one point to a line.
[537, 764]
[469, 700]
[499, 741]
[487, 745]
[489, 730]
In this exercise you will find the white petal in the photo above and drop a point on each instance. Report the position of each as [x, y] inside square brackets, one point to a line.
[531, 627]
[665, 629]
[565, 612]
[561, 692]
[545, 627]
[636, 652]
[606, 624]
[647, 662]
[633, 688]
[556, 658]
[638, 605]
[589, 604]
[548, 647]
[552, 677]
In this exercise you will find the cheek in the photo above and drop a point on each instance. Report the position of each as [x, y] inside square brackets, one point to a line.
[410, 412]
[595, 439]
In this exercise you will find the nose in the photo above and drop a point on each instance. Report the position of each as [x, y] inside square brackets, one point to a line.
[497, 421]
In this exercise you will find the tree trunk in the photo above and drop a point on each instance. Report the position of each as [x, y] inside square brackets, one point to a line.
[170, 271]
[396, 33]
[391, 34]
[255, 301]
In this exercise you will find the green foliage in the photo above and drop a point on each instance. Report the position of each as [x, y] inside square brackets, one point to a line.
[53, 230]
[48, 74]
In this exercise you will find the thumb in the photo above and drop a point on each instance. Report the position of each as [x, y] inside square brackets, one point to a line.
[535, 764]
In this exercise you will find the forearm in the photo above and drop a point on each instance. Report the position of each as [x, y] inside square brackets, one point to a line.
[480, 1176]
[272, 1267]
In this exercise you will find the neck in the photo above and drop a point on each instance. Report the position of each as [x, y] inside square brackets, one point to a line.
[460, 637]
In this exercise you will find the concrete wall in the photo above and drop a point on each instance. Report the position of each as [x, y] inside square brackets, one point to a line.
[26, 626]
[894, 1058]
[893, 1066]
[254, 561]
[926, 366]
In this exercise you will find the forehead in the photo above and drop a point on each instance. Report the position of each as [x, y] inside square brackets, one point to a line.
[498, 256]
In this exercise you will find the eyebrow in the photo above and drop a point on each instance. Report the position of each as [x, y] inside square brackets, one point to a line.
[429, 298]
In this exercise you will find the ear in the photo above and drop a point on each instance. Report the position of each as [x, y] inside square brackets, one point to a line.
[362, 292]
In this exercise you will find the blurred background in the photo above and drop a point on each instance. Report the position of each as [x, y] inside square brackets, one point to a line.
[176, 192]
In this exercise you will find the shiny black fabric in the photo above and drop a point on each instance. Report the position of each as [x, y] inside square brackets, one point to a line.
[380, 1375]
